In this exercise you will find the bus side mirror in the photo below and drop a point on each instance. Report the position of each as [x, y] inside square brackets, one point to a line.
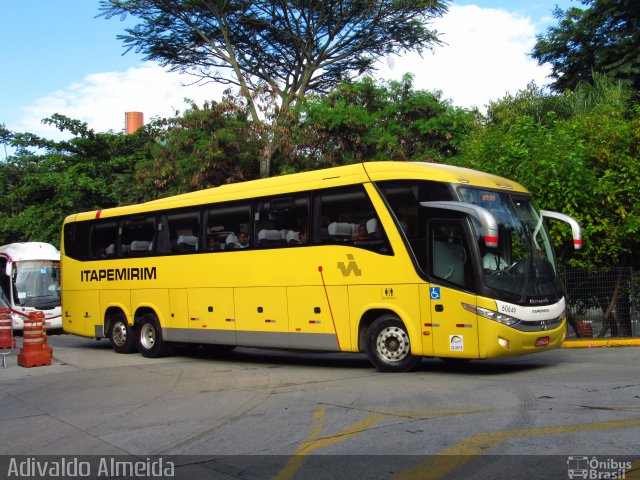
[576, 231]
[488, 223]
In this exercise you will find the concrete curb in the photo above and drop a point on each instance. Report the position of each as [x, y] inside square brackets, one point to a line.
[610, 342]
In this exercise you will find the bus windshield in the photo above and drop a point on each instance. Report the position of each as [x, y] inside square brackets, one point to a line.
[36, 283]
[523, 264]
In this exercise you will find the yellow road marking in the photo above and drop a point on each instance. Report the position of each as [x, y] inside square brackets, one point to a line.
[313, 443]
[445, 461]
[454, 457]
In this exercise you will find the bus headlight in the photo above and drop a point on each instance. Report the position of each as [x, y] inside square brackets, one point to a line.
[491, 315]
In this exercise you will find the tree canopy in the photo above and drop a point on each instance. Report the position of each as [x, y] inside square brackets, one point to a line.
[368, 120]
[602, 38]
[45, 180]
[207, 146]
[288, 47]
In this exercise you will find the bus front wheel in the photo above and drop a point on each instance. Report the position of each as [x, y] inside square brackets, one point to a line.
[122, 336]
[388, 346]
[150, 342]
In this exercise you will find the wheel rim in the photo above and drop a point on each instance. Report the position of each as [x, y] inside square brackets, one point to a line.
[148, 336]
[392, 344]
[119, 334]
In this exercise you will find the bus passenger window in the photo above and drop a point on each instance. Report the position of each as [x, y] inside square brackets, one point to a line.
[103, 239]
[346, 216]
[137, 237]
[227, 226]
[280, 221]
[184, 231]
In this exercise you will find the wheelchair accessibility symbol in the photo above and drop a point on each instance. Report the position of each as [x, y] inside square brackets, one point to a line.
[434, 293]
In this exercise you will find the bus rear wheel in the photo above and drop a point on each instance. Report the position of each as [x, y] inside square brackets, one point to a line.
[122, 336]
[150, 342]
[388, 346]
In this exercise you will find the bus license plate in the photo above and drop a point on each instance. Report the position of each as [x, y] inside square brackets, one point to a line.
[542, 341]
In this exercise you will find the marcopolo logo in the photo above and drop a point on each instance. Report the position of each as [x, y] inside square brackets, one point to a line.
[595, 468]
[351, 267]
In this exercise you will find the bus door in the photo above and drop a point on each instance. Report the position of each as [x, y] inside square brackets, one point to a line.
[454, 329]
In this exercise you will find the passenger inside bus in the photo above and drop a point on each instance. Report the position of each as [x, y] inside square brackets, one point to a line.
[362, 233]
[294, 238]
[236, 241]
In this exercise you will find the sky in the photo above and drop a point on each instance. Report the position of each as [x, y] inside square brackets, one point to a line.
[57, 56]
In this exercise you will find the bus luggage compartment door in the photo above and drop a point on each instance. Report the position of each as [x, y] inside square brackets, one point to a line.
[261, 316]
[81, 313]
[212, 316]
[316, 324]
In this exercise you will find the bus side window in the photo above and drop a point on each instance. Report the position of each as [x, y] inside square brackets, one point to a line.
[346, 216]
[282, 221]
[137, 237]
[184, 231]
[104, 237]
[227, 225]
[404, 197]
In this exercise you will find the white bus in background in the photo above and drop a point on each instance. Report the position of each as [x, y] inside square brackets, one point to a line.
[30, 282]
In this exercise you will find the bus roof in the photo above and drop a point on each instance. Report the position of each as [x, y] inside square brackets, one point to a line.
[328, 177]
[30, 251]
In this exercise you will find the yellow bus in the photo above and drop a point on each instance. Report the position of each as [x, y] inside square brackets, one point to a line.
[398, 260]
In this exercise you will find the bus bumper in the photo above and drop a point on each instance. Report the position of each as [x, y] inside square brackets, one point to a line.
[497, 340]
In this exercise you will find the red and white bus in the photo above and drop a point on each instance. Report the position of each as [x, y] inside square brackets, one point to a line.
[30, 282]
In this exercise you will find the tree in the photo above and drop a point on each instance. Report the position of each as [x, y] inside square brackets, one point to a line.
[45, 180]
[368, 120]
[602, 38]
[205, 147]
[288, 47]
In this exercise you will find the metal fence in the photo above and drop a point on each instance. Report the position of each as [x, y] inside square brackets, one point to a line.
[602, 303]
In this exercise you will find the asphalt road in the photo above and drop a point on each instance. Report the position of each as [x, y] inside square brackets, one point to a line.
[272, 414]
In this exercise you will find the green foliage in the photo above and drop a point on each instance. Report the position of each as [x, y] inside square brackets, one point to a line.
[46, 180]
[206, 147]
[602, 38]
[582, 162]
[366, 120]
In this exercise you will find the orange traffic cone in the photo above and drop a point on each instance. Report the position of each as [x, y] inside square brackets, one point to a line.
[34, 351]
[6, 338]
